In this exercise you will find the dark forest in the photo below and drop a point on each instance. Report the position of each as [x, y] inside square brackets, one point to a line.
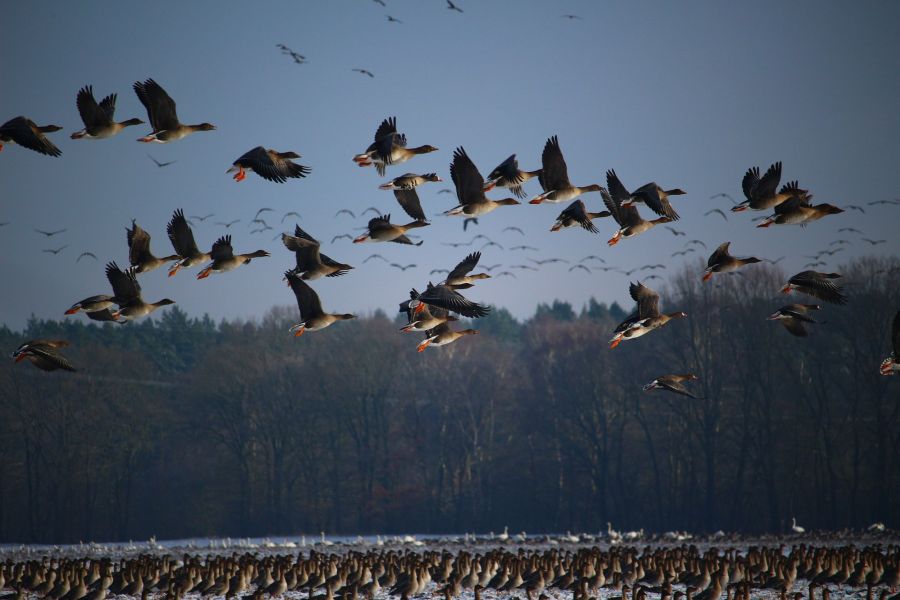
[180, 426]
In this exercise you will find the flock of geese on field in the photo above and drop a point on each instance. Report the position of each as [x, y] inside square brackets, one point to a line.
[429, 311]
[669, 573]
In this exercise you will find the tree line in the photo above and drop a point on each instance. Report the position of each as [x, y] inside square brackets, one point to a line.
[179, 427]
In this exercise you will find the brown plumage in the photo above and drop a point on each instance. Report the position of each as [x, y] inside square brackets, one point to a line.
[818, 285]
[271, 165]
[577, 215]
[139, 254]
[163, 117]
[554, 177]
[182, 238]
[470, 188]
[44, 354]
[645, 319]
[98, 118]
[382, 230]
[720, 261]
[28, 134]
[224, 259]
[628, 218]
[311, 263]
[793, 316]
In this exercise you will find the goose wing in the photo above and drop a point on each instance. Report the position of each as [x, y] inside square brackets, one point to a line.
[160, 106]
[647, 300]
[719, 255]
[409, 202]
[768, 184]
[578, 213]
[221, 249]
[25, 132]
[468, 181]
[138, 243]
[92, 114]
[126, 288]
[443, 297]
[555, 174]
[819, 286]
[307, 299]
[181, 235]
[465, 265]
[649, 193]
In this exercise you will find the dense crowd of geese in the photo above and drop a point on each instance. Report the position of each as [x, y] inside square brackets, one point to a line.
[581, 572]
[429, 311]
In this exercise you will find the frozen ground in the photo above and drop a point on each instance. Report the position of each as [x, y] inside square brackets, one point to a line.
[206, 547]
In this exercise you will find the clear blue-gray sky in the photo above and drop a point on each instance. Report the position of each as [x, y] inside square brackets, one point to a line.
[689, 94]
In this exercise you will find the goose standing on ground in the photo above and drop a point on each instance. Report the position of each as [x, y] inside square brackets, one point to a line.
[442, 335]
[442, 296]
[311, 313]
[389, 148]
[508, 175]
[577, 215]
[427, 318]
[656, 199]
[720, 261]
[224, 259]
[470, 188]
[28, 134]
[127, 294]
[645, 319]
[409, 181]
[382, 230]
[762, 193]
[459, 278]
[98, 118]
[139, 254]
[311, 264]
[793, 316]
[44, 354]
[182, 238]
[818, 285]
[798, 211]
[673, 383]
[554, 177]
[161, 112]
[628, 218]
[891, 365]
[271, 165]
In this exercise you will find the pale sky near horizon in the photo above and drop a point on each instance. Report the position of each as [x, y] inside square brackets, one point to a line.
[688, 94]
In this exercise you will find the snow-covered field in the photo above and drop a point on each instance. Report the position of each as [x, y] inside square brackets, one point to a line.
[303, 546]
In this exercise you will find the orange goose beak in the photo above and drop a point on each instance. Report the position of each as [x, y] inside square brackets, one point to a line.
[72, 310]
[707, 276]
